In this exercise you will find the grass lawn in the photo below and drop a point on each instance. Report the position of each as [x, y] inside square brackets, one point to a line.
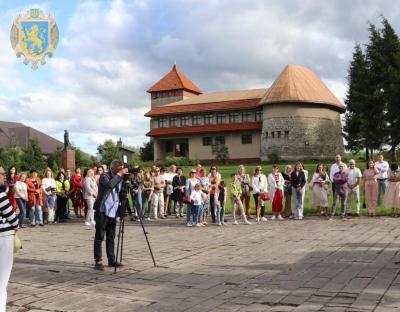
[227, 170]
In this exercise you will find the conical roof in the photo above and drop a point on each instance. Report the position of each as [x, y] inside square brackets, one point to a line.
[300, 84]
[174, 80]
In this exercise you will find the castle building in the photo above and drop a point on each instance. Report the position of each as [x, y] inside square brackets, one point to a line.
[298, 117]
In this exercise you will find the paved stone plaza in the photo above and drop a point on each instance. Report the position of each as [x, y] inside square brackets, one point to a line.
[309, 265]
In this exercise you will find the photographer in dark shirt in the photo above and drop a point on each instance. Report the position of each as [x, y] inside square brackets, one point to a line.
[106, 207]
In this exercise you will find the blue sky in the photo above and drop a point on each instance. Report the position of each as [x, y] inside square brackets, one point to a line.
[111, 52]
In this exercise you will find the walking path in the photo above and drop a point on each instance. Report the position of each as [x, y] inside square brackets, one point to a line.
[309, 265]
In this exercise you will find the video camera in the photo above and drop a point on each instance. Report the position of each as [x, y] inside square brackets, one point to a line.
[126, 176]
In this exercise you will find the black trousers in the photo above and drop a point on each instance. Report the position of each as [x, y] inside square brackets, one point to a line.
[61, 211]
[212, 207]
[104, 225]
[262, 212]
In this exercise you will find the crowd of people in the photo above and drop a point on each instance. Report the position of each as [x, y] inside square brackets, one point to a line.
[159, 193]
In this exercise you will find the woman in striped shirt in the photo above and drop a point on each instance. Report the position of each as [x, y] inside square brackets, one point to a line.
[8, 222]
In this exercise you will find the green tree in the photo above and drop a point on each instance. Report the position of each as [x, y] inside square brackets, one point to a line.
[373, 108]
[356, 99]
[33, 157]
[108, 151]
[84, 160]
[375, 130]
[390, 84]
[54, 160]
[220, 151]
[147, 151]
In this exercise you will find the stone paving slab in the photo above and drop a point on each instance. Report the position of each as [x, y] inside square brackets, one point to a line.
[308, 265]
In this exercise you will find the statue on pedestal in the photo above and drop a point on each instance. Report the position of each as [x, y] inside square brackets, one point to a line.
[67, 143]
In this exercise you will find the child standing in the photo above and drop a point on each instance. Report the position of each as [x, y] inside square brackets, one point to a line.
[236, 191]
[275, 183]
[196, 199]
[220, 202]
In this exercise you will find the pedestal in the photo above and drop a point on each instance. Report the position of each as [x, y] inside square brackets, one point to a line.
[68, 159]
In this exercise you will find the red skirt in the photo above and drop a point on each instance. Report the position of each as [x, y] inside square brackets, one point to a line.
[277, 202]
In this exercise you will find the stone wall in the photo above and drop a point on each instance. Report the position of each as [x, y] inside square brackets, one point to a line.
[306, 134]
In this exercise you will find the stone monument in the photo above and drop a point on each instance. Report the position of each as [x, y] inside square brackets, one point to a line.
[67, 154]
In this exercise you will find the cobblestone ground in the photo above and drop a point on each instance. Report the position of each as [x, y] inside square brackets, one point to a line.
[309, 265]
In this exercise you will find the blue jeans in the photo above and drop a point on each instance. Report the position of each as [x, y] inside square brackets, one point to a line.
[22, 210]
[50, 201]
[195, 210]
[382, 184]
[189, 210]
[298, 200]
[199, 213]
[36, 215]
[137, 202]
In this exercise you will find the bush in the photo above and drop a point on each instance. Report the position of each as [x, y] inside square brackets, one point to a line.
[274, 158]
[179, 161]
[220, 151]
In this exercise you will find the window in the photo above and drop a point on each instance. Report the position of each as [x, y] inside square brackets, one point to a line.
[246, 116]
[220, 139]
[208, 119]
[247, 139]
[169, 147]
[221, 118]
[184, 121]
[162, 123]
[286, 134]
[207, 141]
[172, 122]
[234, 117]
[272, 134]
[259, 115]
[266, 135]
[279, 134]
[196, 120]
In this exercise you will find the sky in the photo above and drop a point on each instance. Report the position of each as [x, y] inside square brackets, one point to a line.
[111, 52]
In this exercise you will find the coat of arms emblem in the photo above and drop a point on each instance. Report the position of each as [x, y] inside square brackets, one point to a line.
[34, 36]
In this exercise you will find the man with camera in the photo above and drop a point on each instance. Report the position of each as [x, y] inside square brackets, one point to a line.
[106, 209]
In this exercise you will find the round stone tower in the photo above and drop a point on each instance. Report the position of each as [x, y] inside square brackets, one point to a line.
[301, 117]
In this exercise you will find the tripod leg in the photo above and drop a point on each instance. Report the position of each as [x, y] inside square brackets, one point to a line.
[122, 241]
[118, 241]
[147, 240]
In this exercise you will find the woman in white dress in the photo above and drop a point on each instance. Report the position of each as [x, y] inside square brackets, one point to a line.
[392, 193]
[90, 191]
[320, 186]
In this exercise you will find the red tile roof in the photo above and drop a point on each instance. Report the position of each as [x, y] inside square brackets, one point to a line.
[175, 80]
[203, 107]
[161, 132]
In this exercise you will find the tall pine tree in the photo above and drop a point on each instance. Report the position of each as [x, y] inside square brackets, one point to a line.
[390, 85]
[356, 99]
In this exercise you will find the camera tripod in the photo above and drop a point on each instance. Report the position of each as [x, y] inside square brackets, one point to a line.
[122, 208]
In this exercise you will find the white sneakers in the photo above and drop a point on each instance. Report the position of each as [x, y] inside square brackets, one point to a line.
[87, 224]
[246, 222]
[264, 219]
[273, 217]
[235, 222]
[280, 217]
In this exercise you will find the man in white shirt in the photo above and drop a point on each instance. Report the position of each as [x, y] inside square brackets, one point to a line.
[334, 169]
[383, 167]
[354, 178]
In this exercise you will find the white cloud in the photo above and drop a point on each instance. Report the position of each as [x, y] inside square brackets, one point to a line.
[111, 52]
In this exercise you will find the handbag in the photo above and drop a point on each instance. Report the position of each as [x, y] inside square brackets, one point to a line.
[265, 196]
[17, 243]
[186, 199]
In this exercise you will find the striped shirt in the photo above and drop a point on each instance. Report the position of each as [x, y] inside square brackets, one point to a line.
[8, 219]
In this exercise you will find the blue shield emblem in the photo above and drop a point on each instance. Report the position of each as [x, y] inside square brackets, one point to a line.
[34, 36]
